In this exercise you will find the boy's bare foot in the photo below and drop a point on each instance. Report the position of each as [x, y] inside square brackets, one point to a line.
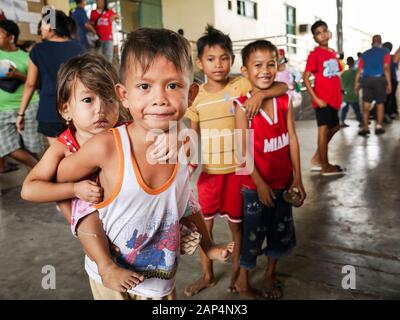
[201, 284]
[221, 252]
[246, 291]
[119, 279]
[272, 288]
[315, 164]
[249, 293]
[234, 282]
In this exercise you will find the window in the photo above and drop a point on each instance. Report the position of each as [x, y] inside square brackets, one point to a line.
[291, 27]
[247, 8]
[229, 4]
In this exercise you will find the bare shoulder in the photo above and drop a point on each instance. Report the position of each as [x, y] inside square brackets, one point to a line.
[101, 145]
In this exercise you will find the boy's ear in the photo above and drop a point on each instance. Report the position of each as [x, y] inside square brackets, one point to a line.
[199, 64]
[193, 91]
[122, 94]
[233, 60]
[244, 72]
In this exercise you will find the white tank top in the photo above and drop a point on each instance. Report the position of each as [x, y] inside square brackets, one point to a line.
[144, 222]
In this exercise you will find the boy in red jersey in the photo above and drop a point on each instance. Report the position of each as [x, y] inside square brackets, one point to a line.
[276, 156]
[326, 96]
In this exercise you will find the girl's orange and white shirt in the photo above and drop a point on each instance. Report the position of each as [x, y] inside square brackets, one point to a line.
[144, 222]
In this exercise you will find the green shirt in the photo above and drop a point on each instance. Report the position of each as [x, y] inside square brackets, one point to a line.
[348, 80]
[12, 101]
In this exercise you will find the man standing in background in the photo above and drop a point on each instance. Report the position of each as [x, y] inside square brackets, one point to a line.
[82, 23]
[374, 64]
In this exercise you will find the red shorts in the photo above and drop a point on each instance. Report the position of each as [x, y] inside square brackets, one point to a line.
[220, 194]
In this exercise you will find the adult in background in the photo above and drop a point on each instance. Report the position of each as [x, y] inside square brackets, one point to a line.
[45, 60]
[374, 65]
[102, 19]
[82, 23]
[21, 148]
[391, 103]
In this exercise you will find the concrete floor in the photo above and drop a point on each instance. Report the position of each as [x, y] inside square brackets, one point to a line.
[352, 220]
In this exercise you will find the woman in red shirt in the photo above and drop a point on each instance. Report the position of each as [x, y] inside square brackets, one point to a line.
[102, 19]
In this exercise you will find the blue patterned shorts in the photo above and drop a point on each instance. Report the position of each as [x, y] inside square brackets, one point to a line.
[275, 225]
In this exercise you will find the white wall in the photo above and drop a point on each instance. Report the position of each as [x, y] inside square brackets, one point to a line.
[193, 15]
[269, 22]
[189, 15]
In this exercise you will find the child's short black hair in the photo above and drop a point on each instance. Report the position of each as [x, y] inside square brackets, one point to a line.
[388, 46]
[318, 24]
[350, 61]
[213, 37]
[255, 46]
[11, 28]
[145, 44]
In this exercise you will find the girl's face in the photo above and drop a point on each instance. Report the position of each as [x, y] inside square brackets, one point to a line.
[88, 112]
[261, 69]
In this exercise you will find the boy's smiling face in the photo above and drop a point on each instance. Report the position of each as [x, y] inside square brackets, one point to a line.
[261, 68]
[156, 97]
[215, 62]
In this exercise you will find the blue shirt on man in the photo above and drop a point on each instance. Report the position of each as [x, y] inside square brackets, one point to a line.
[373, 61]
[80, 18]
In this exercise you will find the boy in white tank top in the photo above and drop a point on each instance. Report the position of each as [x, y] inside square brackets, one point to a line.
[144, 202]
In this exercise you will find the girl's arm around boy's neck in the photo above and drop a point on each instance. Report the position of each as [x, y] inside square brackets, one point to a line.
[91, 157]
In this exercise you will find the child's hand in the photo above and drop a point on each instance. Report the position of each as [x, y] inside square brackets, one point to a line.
[165, 148]
[253, 105]
[189, 224]
[266, 195]
[321, 103]
[88, 191]
[300, 188]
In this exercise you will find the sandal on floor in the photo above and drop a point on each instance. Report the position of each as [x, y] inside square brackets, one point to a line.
[315, 167]
[338, 171]
[267, 293]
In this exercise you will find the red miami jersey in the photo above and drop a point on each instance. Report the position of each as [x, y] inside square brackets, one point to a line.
[271, 145]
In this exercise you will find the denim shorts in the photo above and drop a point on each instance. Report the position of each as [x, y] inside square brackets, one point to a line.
[275, 225]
